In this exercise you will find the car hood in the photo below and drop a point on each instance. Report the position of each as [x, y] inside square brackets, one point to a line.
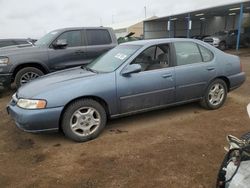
[16, 50]
[54, 81]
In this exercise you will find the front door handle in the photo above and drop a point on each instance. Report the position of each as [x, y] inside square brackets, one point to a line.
[210, 68]
[167, 75]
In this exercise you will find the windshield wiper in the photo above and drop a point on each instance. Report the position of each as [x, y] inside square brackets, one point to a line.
[89, 69]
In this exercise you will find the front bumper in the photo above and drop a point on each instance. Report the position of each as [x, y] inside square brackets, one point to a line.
[237, 80]
[35, 120]
[5, 79]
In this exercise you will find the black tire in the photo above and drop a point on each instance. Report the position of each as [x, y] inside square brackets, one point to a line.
[205, 103]
[75, 106]
[25, 71]
[222, 46]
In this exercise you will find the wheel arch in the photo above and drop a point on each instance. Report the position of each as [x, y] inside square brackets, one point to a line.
[225, 79]
[95, 98]
[37, 65]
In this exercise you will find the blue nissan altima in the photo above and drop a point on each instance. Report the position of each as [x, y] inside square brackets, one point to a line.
[131, 78]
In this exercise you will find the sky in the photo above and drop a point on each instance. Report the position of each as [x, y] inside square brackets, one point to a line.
[34, 18]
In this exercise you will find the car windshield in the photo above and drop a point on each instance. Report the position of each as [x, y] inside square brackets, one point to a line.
[111, 60]
[46, 39]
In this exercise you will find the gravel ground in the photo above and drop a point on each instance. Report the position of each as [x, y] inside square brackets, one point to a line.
[176, 147]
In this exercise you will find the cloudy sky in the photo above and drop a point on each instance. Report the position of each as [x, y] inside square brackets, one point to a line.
[34, 18]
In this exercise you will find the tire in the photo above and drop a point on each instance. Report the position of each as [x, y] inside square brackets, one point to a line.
[222, 46]
[79, 121]
[207, 101]
[26, 75]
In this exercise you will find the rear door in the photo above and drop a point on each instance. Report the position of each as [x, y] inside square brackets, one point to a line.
[195, 67]
[98, 42]
[74, 54]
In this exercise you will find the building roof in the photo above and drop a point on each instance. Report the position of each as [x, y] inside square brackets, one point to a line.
[207, 10]
[128, 24]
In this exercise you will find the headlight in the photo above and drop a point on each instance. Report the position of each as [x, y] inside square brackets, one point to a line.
[4, 60]
[216, 40]
[31, 104]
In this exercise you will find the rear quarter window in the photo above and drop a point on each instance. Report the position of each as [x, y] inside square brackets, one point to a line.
[207, 55]
[98, 37]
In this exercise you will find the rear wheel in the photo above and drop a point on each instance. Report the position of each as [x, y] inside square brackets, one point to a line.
[215, 95]
[84, 120]
[26, 75]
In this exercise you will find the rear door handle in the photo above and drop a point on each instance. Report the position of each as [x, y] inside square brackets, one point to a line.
[167, 75]
[210, 68]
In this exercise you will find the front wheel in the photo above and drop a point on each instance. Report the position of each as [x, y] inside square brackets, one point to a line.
[84, 120]
[215, 95]
[26, 75]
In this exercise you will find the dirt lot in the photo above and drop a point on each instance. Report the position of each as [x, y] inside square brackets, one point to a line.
[175, 147]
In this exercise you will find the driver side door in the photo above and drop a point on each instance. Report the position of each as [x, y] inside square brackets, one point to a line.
[70, 56]
[152, 87]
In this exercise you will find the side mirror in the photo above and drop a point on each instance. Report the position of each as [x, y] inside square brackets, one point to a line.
[133, 68]
[61, 43]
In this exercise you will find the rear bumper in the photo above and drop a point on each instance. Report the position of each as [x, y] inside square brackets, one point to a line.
[237, 80]
[35, 120]
[5, 80]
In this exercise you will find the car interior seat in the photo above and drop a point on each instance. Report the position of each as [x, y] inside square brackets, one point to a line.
[160, 62]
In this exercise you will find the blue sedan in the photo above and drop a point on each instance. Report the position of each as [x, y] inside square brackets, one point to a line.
[131, 78]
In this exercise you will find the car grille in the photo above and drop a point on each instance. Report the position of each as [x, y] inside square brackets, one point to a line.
[209, 40]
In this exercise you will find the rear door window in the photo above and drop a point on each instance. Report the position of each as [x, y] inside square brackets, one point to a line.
[98, 37]
[187, 53]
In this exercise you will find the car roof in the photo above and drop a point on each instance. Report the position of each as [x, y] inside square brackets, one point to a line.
[157, 41]
[79, 28]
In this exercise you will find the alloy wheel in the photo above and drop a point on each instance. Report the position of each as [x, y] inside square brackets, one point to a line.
[216, 94]
[85, 121]
[27, 77]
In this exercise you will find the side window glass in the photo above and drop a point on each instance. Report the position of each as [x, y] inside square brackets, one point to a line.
[163, 55]
[155, 57]
[98, 37]
[187, 53]
[73, 38]
[207, 55]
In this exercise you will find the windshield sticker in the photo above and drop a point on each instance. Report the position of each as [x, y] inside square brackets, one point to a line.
[120, 56]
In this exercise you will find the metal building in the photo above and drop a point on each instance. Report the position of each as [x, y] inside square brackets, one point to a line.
[200, 23]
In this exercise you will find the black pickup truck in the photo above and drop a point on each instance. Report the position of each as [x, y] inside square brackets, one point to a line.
[57, 50]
